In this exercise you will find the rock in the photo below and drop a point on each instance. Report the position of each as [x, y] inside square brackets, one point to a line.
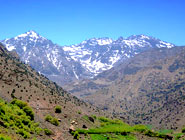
[71, 129]
[73, 122]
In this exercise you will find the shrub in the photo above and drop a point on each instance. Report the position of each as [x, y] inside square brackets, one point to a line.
[58, 109]
[23, 133]
[55, 121]
[48, 132]
[19, 117]
[52, 120]
[19, 103]
[48, 118]
[76, 135]
[183, 130]
[29, 112]
[79, 112]
[150, 133]
[2, 137]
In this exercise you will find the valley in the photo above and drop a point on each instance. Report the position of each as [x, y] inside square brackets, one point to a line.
[128, 82]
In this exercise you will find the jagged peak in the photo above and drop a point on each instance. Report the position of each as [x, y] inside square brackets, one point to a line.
[99, 41]
[31, 34]
[141, 36]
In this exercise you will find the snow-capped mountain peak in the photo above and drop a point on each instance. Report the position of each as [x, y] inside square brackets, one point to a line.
[31, 34]
[101, 41]
[96, 58]
[141, 36]
[98, 41]
[25, 41]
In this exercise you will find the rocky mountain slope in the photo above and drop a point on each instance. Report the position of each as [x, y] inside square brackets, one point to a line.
[20, 81]
[148, 88]
[85, 60]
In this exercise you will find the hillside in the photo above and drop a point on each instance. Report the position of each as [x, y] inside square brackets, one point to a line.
[148, 88]
[20, 81]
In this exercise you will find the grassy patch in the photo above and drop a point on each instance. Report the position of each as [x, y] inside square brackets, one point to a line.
[178, 136]
[114, 129]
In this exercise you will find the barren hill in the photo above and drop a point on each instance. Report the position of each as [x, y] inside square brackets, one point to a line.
[149, 88]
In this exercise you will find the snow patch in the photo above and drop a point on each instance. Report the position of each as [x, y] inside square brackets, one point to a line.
[10, 48]
[24, 48]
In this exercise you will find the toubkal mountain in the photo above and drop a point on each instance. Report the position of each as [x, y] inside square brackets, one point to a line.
[46, 57]
[64, 64]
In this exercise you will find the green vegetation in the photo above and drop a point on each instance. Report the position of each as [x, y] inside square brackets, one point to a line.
[116, 129]
[2, 137]
[76, 135]
[86, 118]
[79, 112]
[23, 105]
[19, 117]
[52, 120]
[48, 132]
[58, 109]
[183, 130]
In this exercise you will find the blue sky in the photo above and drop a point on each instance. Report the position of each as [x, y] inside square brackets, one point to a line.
[67, 22]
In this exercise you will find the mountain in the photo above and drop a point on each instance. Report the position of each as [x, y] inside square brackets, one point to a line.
[148, 88]
[65, 64]
[100, 54]
[46, 57]
[34, 108]
[20, 81]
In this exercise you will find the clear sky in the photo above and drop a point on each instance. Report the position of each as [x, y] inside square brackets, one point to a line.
[67, 22]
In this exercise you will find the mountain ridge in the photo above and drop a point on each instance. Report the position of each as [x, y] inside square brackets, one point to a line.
[65, 64]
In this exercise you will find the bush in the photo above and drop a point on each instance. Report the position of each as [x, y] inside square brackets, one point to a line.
[48, 132]
[23, 133]
[19, 103]
[76, 135]
[19, 117]
[2, 137]
[48, 118]
[52, 120]
[29, 112]
[58, 109]
[79, 112]
[55, 121]
[183, 130]
[150, 133]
